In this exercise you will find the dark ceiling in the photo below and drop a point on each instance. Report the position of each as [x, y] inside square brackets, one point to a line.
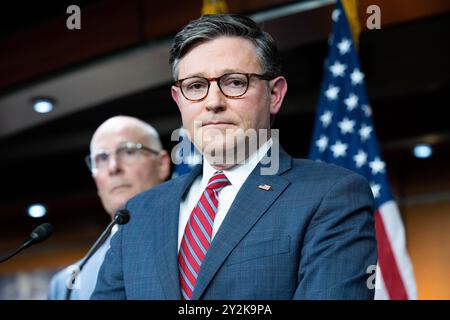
[17, 16]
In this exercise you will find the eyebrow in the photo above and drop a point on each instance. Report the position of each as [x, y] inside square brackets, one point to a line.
[99, 151]
[203, 75]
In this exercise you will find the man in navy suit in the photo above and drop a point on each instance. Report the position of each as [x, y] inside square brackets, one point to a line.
[250, 222]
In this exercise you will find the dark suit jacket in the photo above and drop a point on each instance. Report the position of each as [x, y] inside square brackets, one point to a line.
[311, 236]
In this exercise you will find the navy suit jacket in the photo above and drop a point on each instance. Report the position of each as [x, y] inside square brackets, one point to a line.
[311, 236]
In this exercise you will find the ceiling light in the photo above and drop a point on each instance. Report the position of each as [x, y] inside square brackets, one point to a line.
[423, 151]
[43, 105]
[37, 211]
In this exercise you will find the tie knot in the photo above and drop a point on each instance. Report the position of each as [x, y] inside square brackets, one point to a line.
[217, 181]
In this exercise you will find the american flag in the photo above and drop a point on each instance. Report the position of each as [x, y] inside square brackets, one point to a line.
[344, 134]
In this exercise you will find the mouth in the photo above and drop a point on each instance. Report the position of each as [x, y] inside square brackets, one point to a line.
[120, 187]
[217, 123]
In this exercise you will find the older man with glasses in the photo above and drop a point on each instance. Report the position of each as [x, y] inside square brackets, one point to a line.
[126, 158]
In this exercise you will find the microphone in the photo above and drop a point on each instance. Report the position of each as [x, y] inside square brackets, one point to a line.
[122, 216]
[39, 234]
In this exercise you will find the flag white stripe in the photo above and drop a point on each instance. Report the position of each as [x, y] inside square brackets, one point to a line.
[395, 232]
[380, 288]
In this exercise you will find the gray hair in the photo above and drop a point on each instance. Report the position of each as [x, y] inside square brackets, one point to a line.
[209, 27]
[151, 134]
[155, 141]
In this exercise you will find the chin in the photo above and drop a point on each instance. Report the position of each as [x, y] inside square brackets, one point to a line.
[122, 199]
[220, 154]
[213, 148]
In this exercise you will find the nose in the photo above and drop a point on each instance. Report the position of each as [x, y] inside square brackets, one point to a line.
[215, 101]
[114, 166]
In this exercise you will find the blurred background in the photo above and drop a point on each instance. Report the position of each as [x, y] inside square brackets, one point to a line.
[117, 63]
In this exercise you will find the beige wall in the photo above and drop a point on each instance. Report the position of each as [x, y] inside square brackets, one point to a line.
[423, 187]
[428, 236]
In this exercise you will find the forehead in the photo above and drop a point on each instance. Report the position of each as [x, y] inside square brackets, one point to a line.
[220, 55]
[111, 136]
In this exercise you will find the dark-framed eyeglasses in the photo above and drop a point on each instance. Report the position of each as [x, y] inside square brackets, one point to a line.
[127, 153]
[232, 85]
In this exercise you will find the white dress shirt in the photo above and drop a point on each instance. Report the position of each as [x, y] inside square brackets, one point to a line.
[236, 175]
[86, 279]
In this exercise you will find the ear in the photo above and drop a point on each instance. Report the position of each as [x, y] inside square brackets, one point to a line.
[164, 165]
[175, 91]
[278, 89]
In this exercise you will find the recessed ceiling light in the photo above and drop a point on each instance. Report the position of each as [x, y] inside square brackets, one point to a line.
[423, 151]
[43, 105]
[37, 211]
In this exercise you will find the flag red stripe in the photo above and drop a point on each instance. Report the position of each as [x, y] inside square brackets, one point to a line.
[388, 265]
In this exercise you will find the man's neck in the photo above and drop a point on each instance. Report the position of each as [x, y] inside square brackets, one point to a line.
[263, 146]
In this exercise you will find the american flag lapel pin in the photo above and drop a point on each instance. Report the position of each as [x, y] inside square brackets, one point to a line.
[264, 187]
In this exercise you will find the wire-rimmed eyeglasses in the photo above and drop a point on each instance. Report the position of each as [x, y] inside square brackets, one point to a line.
[126, 153]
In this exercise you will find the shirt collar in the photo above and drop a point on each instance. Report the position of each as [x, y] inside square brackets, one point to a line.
[114, 229]
[239, 173]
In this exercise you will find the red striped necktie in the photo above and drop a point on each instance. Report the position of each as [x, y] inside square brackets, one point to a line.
[197, 234]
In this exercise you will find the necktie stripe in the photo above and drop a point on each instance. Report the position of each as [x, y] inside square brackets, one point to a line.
[210, 202]
[193, 237]
[217, 184]
[198, 233]
[204, 200]
[203, 227]
[206, 214]
[199, 216]
[192, 256]
[218, 178]
[185, 287]
[184, 295]
[210, 196]
[185, 261]
[186, 280]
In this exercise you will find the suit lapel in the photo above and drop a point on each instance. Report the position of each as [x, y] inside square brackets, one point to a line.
[250, 204]
[166, 243]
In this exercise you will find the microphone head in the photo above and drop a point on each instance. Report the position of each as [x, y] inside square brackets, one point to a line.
[41, 233]
[122, 216]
